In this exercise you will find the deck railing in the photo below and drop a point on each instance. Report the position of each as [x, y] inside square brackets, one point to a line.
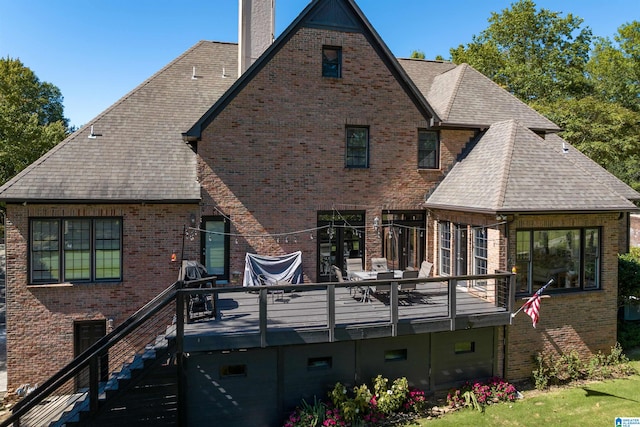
[263, 310]
[105, 358]
[257, 313]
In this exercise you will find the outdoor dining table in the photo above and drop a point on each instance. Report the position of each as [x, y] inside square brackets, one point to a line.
[369, 275]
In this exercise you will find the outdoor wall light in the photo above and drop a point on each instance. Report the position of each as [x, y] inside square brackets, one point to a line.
[376, 225]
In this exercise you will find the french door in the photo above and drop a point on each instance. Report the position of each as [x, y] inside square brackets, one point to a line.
[340, 236]
[403, 243]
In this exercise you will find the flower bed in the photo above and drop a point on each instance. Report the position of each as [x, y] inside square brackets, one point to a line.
[360, 406]
[477, 395]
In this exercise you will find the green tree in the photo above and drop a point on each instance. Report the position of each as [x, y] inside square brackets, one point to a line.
[31, 117]
[614, 68]
[417, 54]
[535, 55]
[604, 131]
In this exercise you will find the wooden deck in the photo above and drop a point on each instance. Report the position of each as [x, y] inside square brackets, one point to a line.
[332, 312]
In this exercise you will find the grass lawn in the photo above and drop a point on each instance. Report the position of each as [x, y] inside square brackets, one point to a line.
[593, 404]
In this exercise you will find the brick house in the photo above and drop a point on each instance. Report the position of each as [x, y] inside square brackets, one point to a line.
[329, 145]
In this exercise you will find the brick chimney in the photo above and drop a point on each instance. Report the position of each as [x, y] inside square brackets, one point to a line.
[256, 30]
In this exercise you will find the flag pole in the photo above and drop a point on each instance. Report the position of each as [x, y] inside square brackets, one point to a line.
[539, 291]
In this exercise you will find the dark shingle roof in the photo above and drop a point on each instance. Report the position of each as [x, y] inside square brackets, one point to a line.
[139, 154]
[511, 169]
[462, 96]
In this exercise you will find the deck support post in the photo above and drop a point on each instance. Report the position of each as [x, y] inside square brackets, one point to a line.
[393, 303]
[263, 316]
[331, 312]
[453, 283]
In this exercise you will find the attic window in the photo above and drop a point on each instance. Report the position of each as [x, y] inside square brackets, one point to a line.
[331, 61]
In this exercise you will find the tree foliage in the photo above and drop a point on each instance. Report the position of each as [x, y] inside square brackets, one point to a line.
[614, 68]
[535, 55]
[31, 117]
[604, 131]
[546, 60]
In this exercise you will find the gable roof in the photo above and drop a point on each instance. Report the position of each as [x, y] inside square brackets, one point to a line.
[462, 96]
[342, 15]
[511, 169]
[138, 153]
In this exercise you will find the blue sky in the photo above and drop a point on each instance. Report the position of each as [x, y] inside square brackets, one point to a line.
[96, 51]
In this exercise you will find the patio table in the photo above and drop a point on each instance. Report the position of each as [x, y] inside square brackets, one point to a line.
[366, 276]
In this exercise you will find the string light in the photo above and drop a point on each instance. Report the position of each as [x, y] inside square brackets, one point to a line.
[331, 229]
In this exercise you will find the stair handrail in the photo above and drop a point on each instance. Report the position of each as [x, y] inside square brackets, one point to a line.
[95, 350]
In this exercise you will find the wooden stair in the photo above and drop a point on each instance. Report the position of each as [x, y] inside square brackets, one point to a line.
[143, 393]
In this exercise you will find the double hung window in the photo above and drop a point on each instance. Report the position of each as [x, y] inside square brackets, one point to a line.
[357, 147]
[428, 150]
[480, 251]
[445, 247]
[331, 61]
[75, 250]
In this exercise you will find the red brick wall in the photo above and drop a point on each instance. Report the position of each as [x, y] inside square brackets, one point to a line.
[40, 317]
[275, 156]
[582, 321]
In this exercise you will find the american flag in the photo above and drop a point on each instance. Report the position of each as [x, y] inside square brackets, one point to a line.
[532, 306]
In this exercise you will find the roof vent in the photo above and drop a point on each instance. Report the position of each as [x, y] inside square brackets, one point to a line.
[92, 134]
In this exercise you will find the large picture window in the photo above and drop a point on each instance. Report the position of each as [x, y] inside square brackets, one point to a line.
[428, 150]
[75, 250]
[571, 257]
[357, 152]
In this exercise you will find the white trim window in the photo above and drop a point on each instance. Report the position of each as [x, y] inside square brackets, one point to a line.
[444, 229]
[480, 251]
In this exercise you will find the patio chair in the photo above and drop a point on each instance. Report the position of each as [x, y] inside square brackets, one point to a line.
[379, 264]
[384, 288]
[338, 273]
[425, 269]
[354, 264]
[407, 288]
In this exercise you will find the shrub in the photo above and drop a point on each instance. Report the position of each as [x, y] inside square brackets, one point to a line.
[390, 400]
[360, 407]
[307, 415]
[629, 334]
[628, 276]
[564, 368]
[477, 395]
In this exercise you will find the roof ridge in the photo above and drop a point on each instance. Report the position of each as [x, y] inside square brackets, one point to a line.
[462, 68]
[515, 98]
[508, 158]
